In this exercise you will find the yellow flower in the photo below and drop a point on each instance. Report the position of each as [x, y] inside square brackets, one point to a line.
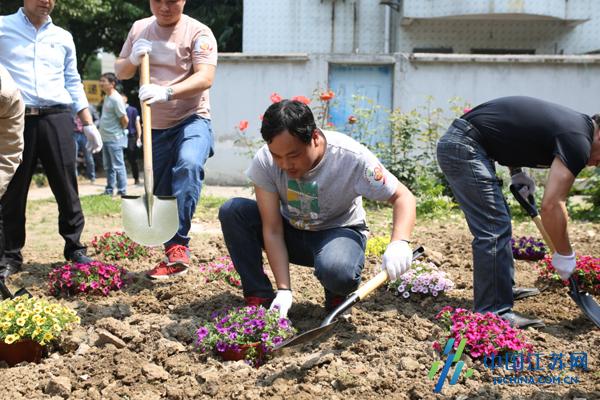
[20, 307]
[10, 315]
[11, 339]
[22, 331]
[21, 321]
[36, 332]
[42, 320]
[48, 337]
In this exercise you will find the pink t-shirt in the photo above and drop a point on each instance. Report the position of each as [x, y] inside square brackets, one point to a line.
[175, 50]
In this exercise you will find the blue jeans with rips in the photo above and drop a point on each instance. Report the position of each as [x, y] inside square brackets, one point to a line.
[337, 255]
[472, 177]
[179, 154]
[114, 165]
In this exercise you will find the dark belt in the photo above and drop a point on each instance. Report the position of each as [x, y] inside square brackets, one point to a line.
[59, 108]
[468, 129]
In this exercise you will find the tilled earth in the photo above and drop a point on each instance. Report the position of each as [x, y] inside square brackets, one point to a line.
[139, 343]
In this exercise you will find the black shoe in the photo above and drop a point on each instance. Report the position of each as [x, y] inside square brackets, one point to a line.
[8, 269]
[518, 320]
[521, 292]
[79, 257]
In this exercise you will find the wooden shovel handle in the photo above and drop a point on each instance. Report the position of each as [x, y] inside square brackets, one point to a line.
[538, 222]
[147, 128]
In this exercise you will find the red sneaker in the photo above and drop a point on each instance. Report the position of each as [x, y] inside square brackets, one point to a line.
[177, 254]
[164, 271]
[258, 301]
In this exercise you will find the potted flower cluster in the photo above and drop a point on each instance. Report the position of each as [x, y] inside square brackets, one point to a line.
[118, 246]
[422, 278]
[528, 248]
[244, 333]
[27, 324]
[221, 270]
[91, 278]
[487, 334]
[586, 274]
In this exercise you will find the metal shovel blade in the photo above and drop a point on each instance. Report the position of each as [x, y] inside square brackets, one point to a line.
[307, 336]
[585, 301]
[150, 225]
[6, 294]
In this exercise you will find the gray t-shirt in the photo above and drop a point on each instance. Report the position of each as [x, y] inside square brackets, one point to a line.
[112, 110]
[329, 195]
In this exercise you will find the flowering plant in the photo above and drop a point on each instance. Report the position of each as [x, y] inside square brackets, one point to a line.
[118, 246]
[487, 334]
[231, 329]
[422, 277]
[376, 245]
[94, 278]
[35, 319]
[528, 248]
[221, 270]
[586, 273]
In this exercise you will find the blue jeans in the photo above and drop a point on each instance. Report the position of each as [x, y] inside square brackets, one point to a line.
[90, 166]
[337, 255]
[114, 164]
[472, 177]
[179, 154]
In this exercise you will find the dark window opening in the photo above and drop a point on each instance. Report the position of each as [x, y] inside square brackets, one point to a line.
[433, 50]
[502, 51]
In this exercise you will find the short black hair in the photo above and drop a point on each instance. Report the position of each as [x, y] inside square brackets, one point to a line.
[291, 115]
[596, 118]
[109, 76]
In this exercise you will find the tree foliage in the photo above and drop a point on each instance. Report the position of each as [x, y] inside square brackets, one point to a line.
[104, 24]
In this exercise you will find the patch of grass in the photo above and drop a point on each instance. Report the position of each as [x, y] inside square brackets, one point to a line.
[100, 205]
[208, 208]
[34, 205]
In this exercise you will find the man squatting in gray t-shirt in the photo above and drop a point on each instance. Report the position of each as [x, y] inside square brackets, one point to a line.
[309, 185]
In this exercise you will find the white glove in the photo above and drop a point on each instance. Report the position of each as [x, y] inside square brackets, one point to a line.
[564, 265]
[139, 48]
[282, 301]
[152, 93]
[521, 178]
[94, 141]
[396, 259]
[138, 143]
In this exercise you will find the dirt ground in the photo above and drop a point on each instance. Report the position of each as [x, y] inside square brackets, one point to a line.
[138, 343]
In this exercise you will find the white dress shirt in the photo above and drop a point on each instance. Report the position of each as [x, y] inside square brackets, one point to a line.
[42, 62]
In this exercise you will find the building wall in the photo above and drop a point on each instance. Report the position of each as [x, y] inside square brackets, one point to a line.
[244, 84]
[282, 26]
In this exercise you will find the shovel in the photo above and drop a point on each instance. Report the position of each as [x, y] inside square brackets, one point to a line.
[584, 300]
[6, 293]
[331, 320]
[149, 220]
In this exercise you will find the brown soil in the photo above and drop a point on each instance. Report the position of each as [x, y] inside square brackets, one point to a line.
[383, 352]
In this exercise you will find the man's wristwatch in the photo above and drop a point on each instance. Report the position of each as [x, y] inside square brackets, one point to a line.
[169, 93]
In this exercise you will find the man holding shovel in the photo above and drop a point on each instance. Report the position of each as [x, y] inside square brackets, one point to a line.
[516, 132]
[309, 185]
[183, 59]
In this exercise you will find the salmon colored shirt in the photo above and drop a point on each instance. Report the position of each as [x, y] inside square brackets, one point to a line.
[175, 50]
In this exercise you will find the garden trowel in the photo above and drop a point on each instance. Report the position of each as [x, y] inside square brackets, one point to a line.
[584, 300]
[149, 220]
[332, 319]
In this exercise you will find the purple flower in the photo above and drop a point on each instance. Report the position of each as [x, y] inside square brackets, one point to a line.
[283, 323]
[264, 337]
[202, 333]
[277, 340]
[221, 347]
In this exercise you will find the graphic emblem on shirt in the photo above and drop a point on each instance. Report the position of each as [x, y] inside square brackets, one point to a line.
[203, 45]
[303, 203]
[375, 175]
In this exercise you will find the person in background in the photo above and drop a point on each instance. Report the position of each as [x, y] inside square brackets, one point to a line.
[183, 60]
[12, 121]
[81, 144]
[134, 141]
[41, 59]
[309, 185]
[113, 126]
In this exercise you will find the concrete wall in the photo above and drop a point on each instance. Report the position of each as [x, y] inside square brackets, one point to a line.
[244, 84]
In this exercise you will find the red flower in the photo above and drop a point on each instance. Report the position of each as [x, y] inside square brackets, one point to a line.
[275, 98]
[352, 120]
[466, 110]
[301, 99]
[326, 96]
[243, 125]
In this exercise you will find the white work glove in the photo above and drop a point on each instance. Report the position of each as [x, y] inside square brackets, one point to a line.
[139, 48]
[282, 301]
[521, 178]
[564, 265]
[152, 93]
[396, 259]
[94, 141]
[138, 143]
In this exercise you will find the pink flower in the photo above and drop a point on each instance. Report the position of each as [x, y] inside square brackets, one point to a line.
[302, 99]
[275, 98]
[243, 125]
